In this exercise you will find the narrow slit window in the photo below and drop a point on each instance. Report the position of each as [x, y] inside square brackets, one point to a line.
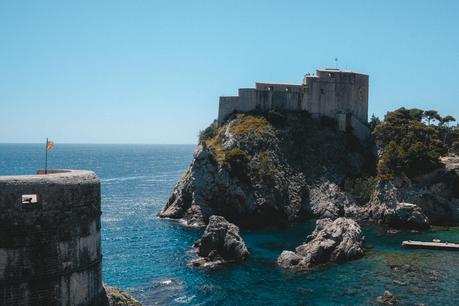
[29, 199]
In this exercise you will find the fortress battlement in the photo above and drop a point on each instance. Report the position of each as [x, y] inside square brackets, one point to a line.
[339, 94]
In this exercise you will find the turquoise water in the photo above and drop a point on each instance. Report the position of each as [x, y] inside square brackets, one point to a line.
[148, 256]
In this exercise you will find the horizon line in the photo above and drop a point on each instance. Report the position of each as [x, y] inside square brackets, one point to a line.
[102, 143]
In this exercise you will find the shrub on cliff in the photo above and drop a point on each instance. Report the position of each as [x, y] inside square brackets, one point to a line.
[248, 124]
[277, 117]
[237, 159]
[209, 132]
[267, 169]
[408, 145]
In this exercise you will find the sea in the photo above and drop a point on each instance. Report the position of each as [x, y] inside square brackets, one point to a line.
[149, 257]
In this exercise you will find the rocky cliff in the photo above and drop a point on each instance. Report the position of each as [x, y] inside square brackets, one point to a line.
[269, 169]
[276, 168]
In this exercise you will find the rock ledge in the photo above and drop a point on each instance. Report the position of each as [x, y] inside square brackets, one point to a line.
[220, 243]
[332, 241]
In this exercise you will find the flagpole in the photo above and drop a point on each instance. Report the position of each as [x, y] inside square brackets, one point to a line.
[46, 158]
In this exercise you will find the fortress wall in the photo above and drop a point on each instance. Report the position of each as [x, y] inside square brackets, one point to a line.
[294, 101]
[279, 96]
[227, 105]
[350, 93]
[312, 99]
[328, 99]
[329, 93]
[361, 97]
[247, 99]
[50, 251]
[286, 100]
[263, 100]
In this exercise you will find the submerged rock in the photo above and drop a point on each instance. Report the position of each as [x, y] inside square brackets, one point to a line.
[331, 241]
[220, 243]
[387, 298]
[118, 297]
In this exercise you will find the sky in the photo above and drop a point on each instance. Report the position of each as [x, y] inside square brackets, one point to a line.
[120, 71]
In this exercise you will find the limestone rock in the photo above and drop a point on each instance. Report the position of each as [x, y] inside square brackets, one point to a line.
[387, 298]
[327, 200]
[117, 297]
[430, 199]
[220, 243]
[292, 261]
[331, 241]
[283, 179]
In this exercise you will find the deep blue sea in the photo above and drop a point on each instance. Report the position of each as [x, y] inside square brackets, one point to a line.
[148, 256]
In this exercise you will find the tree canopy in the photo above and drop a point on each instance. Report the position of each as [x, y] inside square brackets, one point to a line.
[410, 146]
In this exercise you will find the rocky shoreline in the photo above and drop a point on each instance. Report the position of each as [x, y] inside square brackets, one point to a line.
[256, 171]
[118, 297]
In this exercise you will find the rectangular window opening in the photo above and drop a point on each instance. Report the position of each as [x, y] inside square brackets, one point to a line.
[29, 199]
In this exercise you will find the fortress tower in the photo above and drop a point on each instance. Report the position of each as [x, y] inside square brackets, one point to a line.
[338, 94]
[50, 243]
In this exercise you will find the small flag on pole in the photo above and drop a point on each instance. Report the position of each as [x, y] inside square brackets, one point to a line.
[49, 146]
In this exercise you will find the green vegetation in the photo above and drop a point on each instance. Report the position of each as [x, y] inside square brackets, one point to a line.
[277, 117]
[267, 167]
[216, 149]
[411, 145]
[209, 132]
[237, 159]
[248, 124]
[374, 121]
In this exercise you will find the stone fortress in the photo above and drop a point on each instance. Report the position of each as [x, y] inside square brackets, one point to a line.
[50, 242]
[335, 93]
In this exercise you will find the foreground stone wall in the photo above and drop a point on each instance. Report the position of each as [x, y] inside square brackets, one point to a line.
[50, 243]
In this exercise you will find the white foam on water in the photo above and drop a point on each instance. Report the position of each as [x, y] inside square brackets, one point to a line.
[184, 299]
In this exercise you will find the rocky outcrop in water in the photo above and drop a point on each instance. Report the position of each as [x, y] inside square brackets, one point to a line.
[117, 297]
[332, 241]
[387, 298]
[220, 243]
[268, 170]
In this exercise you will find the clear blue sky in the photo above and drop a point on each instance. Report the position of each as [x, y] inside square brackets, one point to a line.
[152, 71]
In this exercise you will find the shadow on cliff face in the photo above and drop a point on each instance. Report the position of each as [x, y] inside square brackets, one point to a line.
[269, 169]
